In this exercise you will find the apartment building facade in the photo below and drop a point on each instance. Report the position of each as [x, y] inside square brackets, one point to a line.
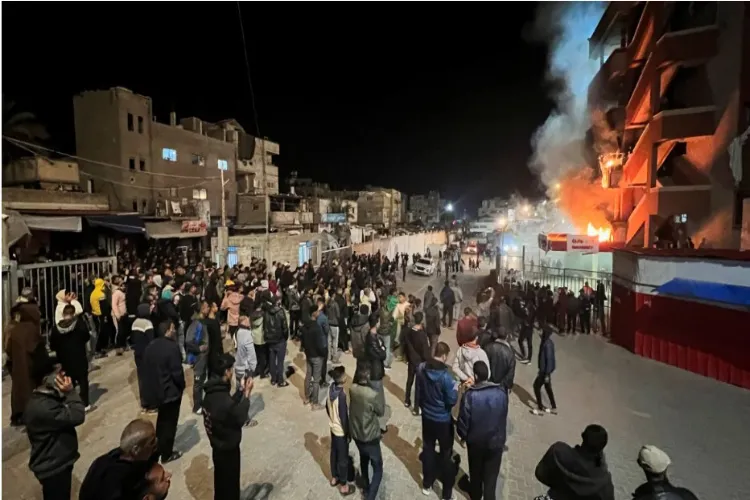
[674, 85]
[143, 165]
[425, 208]
[380, 207]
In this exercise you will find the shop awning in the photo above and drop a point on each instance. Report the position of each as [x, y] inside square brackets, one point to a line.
[130, 224]
[706, 290]
[14, 227]
[51, 223]
[172, 229]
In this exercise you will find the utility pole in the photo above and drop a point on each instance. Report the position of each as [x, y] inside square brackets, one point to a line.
[222, 234]
[266, 253]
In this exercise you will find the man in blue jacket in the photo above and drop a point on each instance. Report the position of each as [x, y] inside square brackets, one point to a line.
[544, 376]
[438, 392]
[482, 425]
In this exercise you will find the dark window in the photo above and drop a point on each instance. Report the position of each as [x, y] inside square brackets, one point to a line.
[140, 124]
[131, 163]
[142, 165]
[135, 204]
[256, 206]
[130, 122]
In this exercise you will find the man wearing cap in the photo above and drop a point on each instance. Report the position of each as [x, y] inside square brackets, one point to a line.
[655, 463]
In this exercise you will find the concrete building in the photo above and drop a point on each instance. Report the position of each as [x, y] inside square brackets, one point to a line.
[493, 208]
[379, 207]
[674, 87]
[143, 165]
[425, 208]
[257, 174]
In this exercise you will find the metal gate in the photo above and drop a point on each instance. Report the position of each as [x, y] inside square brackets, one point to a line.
[48, 278]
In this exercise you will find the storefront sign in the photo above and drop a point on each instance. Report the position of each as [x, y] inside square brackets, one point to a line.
[333, 218]
[193, 226]
[583, 243]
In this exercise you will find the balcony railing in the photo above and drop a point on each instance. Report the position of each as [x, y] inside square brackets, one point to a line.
[695, 201]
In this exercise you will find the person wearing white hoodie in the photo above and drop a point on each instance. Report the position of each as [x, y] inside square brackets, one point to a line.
[463, 366]
[64, 297]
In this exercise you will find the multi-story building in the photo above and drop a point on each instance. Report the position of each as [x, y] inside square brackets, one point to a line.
[379, 207]
[143, 165]
[494, 207]
[256, 173]
[425, 208]
[674, 87]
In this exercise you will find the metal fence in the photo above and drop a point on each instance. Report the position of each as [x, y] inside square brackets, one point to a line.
[48, 278]
[572, 279]
[338, 254]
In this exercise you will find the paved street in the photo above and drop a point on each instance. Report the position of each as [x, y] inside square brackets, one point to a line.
[702, 424]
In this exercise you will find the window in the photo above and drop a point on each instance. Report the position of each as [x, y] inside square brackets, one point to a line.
[269, 184]
[169, 154]
[130, 122]
[140, 124]
[680, 219]
[223, 165]
[256, 206]
[199, 194]
[142, 165]
[135, 204]
[90, 186]
[199, 160]
[203, 194]
[173, 192]
[131, 164]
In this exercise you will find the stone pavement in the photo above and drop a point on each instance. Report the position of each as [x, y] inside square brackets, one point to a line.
[699, 422]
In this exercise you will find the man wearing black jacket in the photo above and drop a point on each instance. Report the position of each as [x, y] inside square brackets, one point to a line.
[142, 333]
[224, 416]
[374, 362]
[315, 345]
[502, 360]
[276, 333]
[166, 382]
[417, 352]
[68, 339]
[52, 414]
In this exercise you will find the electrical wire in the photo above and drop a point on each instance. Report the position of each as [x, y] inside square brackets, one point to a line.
[247, 68]
[20, 144]
[135, 186]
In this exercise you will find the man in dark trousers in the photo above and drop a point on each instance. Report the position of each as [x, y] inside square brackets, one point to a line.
[166, 382]
[224, 416]
[502, 360]
[68, 339]
[315, 345]
[113, 476]
[417, 352]
[448, 299]
[482, 425]
[276, 333]
[438, 395]
[52, 414]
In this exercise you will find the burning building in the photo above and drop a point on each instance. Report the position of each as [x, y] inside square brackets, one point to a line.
[670, 108]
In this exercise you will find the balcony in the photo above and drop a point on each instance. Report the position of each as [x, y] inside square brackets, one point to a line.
[663, 202]
[291, 218]
[686, 46]
[37, 200]
[603, 86]
[613, 13]
[668, 125]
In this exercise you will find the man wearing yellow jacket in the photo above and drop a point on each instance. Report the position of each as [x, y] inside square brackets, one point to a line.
[101, 309]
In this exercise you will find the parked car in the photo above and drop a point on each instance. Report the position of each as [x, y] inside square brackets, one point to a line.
[424, 267]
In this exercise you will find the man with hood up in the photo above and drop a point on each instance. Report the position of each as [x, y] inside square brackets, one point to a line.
[64, 298]
[101, 309]
[68, 339]
[53, 413]
[580, 472]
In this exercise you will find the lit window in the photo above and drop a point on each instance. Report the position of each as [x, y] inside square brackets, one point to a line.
[199, 194]
[223, 165]
[169, 154]
[199, 160]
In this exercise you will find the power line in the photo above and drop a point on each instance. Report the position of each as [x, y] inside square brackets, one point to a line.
[135, 186]
[247, 68]
[20, 143]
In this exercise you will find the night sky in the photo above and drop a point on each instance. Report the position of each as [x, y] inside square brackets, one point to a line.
[389, 94]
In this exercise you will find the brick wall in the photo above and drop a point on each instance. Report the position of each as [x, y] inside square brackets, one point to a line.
[283, 247]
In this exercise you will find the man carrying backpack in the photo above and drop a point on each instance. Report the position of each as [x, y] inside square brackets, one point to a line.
[196, 346]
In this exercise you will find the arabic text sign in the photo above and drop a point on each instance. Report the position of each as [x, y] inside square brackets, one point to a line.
[583, 243]
[333, 218]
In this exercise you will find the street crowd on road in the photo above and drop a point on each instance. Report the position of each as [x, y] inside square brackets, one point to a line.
[173, 314]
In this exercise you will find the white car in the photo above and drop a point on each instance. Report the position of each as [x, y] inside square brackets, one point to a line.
[425, 267]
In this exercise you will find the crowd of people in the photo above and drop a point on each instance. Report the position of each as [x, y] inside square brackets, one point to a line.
[172, 315]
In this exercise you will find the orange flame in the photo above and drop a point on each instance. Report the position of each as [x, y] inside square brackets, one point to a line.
[604, 234]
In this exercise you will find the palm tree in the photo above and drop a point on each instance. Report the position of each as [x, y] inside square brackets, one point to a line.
[21, 125]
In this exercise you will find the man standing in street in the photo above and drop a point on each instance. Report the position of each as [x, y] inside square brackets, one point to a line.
[367, 407]
[374, 358]
[502, 360]
[52, 414]
[448, 299]
[334, 320]
[276, 332]
[224, 416]
[438, 395]
[314, 344]
[417, 350]
[482, 425]
[166, 382]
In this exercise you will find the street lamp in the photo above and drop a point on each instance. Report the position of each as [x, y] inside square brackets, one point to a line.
[449, 207]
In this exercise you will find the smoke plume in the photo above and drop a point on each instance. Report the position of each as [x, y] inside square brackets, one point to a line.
[563, 155]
